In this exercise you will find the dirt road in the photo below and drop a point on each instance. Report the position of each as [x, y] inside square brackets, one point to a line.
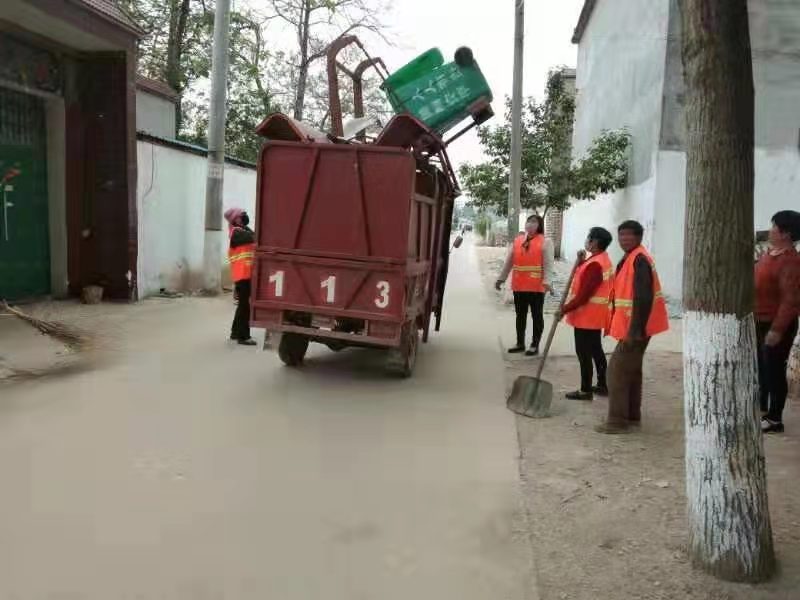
[181, 467]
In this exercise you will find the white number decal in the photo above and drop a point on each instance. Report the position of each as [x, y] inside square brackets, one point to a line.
[277, 279]
[382, 301]
[330, 285]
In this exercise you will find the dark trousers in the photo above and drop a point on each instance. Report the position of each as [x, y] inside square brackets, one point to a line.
[240, 330]
[522, 302]
[772, 361]
[625, 382]
[589, 348]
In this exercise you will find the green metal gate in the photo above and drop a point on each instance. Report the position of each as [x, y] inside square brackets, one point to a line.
[24, 230]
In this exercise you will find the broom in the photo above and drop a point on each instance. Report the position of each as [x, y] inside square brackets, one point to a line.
[68, 336]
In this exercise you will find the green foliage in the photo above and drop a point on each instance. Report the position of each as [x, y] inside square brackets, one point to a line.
[549, 179]
[483, 225]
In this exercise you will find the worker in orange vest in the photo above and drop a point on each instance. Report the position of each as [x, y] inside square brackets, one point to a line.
[638, 312]
[241, 251]
[586, 310]
[530, 260]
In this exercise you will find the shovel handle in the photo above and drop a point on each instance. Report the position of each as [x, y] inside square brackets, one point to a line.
[552, 332]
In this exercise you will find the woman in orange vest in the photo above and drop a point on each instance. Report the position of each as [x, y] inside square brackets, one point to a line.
[638, 312]
[530, 260]
[241, 250]
[587, 311]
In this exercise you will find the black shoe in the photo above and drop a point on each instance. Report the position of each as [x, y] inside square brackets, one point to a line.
[516, 350]
[768, 426]
[533, 351]
[579, 395]
[248, 342]
[600, 390]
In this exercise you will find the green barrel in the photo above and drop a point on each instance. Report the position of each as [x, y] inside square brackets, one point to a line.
[439, 94]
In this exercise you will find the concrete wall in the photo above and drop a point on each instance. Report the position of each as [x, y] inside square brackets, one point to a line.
[619, 79]
[56, 194]
[155, 115]
[651, 56]
[171, 203]
[636, 202]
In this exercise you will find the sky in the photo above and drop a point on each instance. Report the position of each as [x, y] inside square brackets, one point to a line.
[415, 26]
[487, 28]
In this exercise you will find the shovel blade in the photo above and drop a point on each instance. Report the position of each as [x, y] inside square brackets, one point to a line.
[531, 397]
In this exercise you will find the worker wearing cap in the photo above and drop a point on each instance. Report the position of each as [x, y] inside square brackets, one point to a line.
[241, 251]
[586, 310]
[638, 312]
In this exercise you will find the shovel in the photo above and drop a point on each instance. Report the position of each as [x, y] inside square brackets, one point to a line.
[531, 396]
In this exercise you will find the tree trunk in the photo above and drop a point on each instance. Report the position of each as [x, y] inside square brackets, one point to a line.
[303, 39]
[730, 534]
[179, 14]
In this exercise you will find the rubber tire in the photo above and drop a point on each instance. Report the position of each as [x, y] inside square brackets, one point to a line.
[292, 349]
[402, 360]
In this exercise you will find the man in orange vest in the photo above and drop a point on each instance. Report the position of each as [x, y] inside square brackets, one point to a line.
[638, 312]
[530, 260]
[241, 251]
[586, 310]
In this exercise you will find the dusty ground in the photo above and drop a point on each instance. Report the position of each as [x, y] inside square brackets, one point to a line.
[182, 467]
[607, 513]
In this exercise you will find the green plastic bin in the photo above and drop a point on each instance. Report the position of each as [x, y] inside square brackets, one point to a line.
[439, 94]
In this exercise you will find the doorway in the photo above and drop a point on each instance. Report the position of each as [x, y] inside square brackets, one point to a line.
[24, 230]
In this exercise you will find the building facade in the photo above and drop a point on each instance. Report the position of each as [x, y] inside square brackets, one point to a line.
[630, 75]
[67, 148]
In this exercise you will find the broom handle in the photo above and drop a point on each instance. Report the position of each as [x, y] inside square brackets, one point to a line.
[552, 333]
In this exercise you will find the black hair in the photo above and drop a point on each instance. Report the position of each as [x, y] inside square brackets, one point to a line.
[539, 219]
[788, 221]
[633, 226]
[601, 236]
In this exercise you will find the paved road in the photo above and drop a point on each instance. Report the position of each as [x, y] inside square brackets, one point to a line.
[184, 468]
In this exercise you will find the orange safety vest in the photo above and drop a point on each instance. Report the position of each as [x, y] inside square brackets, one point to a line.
[622, 300]
[240, 259]
[593, 314]
[527, 272]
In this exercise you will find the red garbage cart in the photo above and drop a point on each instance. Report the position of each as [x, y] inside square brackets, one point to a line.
[352, 240]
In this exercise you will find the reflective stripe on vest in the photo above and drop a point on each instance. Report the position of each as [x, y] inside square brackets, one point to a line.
[593, 314]
[241, 259]
[527, 272]
[622, 305]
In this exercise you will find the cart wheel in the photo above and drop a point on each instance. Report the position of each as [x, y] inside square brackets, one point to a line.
[402, 360]
[292, 349]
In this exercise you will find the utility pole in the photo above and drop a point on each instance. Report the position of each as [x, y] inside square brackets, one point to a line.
[212, 247]
[515, 180]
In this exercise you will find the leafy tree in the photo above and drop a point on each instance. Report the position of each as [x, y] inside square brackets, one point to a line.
[262, 78]
[316, 23]
[176, 42]
[549, 177]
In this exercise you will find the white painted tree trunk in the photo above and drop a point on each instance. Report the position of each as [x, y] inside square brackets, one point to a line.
[729, 525]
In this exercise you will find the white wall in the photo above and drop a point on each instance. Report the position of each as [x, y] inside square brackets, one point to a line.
[629, 75]
[620, 75]
[171, 205]
[619, 79]
[608, 211]
[155, 115]
[670, 216]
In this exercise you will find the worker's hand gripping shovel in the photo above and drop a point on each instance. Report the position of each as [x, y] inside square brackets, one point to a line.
[531, 396]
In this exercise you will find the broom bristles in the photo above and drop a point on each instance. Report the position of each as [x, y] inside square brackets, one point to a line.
[67, 335]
